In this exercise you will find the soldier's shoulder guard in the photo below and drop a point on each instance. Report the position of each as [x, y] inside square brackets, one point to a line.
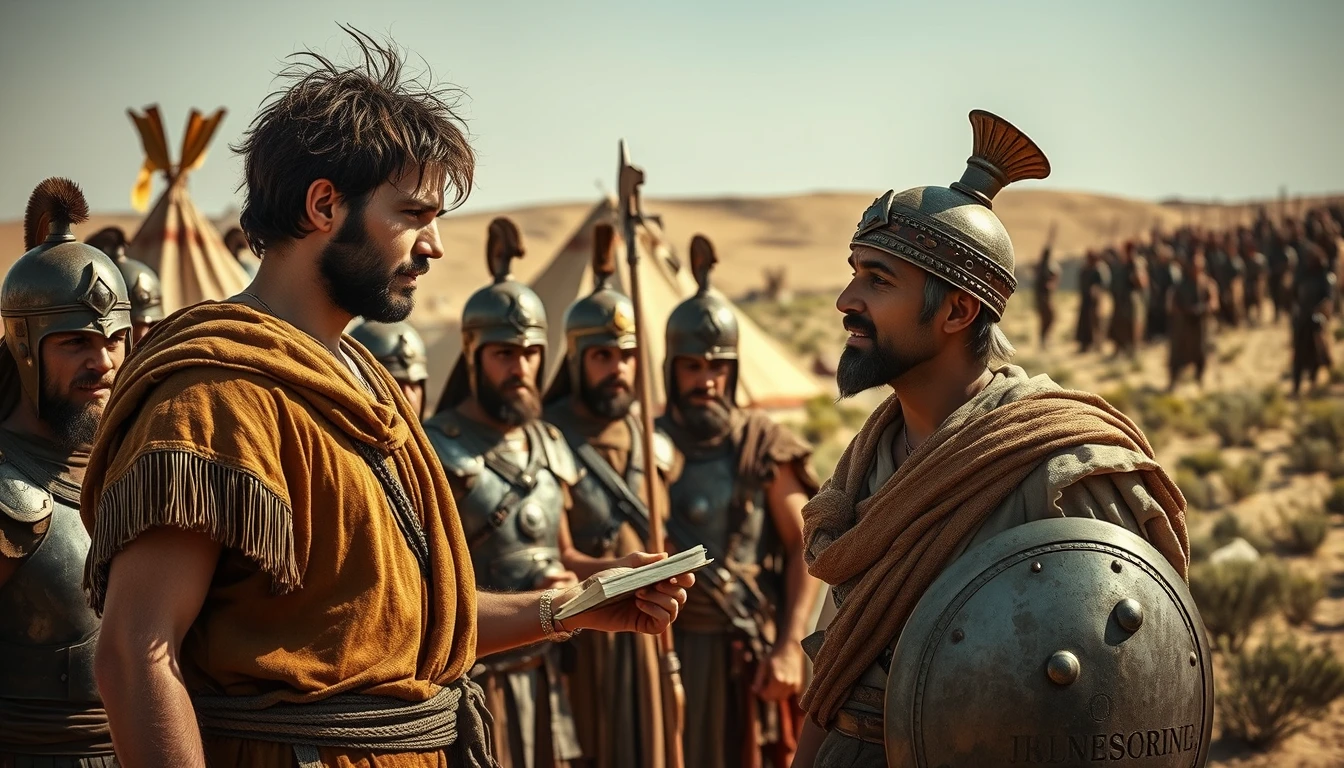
[664, 452]
[559, 458]
[443, 431]
[20, 498]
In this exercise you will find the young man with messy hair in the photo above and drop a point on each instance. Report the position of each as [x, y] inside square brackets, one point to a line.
[276, 554]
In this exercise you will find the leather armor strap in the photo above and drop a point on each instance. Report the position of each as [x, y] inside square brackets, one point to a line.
[637, 514]
[521, 482]
[867, 728]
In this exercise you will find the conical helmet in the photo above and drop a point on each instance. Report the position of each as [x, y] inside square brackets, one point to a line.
[504, 312]
[398, 347]
[603, 318]
[146, 292]
[704, 325]
[952, 232]
[60, 284]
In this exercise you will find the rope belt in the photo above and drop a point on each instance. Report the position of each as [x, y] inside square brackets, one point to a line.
[455, 716]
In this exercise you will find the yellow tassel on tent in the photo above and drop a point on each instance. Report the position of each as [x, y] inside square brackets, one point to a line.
[144, 184]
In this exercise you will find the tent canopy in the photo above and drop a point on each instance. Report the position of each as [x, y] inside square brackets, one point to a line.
[767, 376]
[175, 240]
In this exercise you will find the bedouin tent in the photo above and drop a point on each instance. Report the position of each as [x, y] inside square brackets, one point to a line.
[175, 240]
[768, 377]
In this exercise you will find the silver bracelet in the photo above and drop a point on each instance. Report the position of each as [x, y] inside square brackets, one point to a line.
[548, 623]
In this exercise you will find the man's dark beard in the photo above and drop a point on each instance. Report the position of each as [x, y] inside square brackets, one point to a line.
[705, 422]
[356, 277]
[607, 399]
[521, 405]
[74, 424]
[863, 369]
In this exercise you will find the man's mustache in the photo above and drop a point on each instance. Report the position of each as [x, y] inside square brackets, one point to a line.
[859, 324]
[419, 265]
[92, 380]
[612, 383]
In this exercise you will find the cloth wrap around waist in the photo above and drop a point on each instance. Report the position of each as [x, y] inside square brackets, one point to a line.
[455, 717]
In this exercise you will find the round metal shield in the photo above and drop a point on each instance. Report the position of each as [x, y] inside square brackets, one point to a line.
[1061, 641]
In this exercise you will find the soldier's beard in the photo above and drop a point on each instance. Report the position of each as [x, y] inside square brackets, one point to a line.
[610, 398]
[514, 402]
[707, 421]
[73, 423]
[357, 278]
[862, 369]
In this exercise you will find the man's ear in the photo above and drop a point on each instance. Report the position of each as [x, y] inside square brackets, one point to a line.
[320, 206]
[962, 309]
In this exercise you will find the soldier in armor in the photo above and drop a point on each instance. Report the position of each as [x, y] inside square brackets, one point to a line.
[401, 350]
[1047, 283]
[1094, 280]
[1315, 289]
[512, 477]
[1129, 296]
[966, 449]
[67, 322]
[1192, 305]
[1162, 273]
[740, 493]
[142, 281]
[615, 684]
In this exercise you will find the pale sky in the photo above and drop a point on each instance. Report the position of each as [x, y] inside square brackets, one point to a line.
[1226, 100]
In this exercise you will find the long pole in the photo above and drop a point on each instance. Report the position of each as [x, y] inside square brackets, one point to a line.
[674, 695]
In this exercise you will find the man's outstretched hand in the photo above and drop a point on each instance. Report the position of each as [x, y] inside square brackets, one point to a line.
[651, 611]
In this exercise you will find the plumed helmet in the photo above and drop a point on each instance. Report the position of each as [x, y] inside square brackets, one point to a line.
[398, 347]
[952, 232]
[60, 284]
[1067, 640]
[603, 318]
[704, 325]
[504, 312]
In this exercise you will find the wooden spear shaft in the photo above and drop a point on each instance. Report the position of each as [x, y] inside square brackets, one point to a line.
[674, 695]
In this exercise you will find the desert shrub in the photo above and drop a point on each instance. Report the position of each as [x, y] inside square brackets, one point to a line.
[1202, 546]
[1233, 596]
[1323, 420]
[1335, 501]
[1196, 489]
[1203, 463]
[1314, 454]
[1244, 479]
[822, 419]
[1302, 530]
[1061, 376]
[1122, 399]
[1275, 689]
[1226, 528]
[1236, 416]
[1301, 592]
[1160, 410]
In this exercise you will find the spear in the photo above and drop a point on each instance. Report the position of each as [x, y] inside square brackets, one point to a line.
[629, 179]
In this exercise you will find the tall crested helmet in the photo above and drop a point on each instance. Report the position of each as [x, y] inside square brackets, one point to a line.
[952, 232]
[504, 312]
[704, 325]
[1068, 640]
[398, 347]
[603, 318]
[60, 284]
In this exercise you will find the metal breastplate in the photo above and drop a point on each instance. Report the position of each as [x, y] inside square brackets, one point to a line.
[47, 629]
[515, 552]
[594, 520]
[705, 496]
